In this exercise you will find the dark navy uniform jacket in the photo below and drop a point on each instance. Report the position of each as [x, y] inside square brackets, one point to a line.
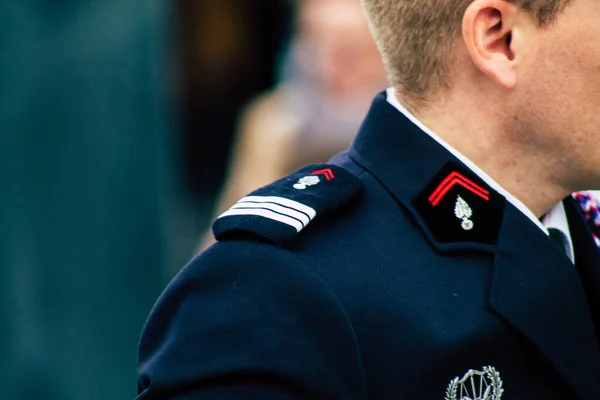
[393, 272]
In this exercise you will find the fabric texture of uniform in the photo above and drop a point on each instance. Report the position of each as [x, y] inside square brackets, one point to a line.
[391, 295]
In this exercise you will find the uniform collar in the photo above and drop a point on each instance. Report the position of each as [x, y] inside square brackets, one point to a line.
[556, 218]
[393, 100]
[410, 163]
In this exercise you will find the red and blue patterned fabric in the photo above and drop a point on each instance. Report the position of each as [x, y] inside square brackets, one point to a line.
[590, 207]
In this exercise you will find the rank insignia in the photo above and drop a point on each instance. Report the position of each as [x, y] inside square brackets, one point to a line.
[476, 385]
[313, 179]
[307, 181]
[458, 206]
[280, 211]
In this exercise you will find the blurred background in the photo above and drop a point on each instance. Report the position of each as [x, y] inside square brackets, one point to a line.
[125, 127]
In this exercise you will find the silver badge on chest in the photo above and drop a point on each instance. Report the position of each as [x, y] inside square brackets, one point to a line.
[476, 385]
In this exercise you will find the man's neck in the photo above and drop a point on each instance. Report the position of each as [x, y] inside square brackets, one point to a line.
[525, 172]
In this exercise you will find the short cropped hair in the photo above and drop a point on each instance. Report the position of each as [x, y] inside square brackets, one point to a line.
[415, 37]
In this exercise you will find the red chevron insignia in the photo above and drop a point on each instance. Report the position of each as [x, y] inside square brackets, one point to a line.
[457, 179]
[327, 172]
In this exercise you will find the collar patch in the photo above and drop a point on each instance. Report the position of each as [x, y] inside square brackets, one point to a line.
[458, 206]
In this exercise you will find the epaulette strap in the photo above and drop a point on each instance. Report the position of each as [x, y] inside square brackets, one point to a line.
[279, 211]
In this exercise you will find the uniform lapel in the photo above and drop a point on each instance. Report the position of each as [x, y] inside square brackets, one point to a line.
[538, 291]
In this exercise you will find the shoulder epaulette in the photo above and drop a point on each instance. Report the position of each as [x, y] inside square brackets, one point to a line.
[281, 210]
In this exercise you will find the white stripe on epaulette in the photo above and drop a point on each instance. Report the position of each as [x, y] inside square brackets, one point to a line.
[267, 214]
[282, 201]
[279, 209]
[305, 219]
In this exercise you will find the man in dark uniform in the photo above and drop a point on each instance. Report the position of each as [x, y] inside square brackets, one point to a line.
[432, 260]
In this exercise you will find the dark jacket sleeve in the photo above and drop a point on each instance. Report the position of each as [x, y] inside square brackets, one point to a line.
[249, 320]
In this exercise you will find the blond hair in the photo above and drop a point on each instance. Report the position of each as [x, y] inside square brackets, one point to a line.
[415, 38]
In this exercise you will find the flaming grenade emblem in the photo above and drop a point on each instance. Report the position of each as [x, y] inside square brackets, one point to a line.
[307, 181]
[464, 212]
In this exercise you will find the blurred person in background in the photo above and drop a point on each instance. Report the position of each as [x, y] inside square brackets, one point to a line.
[329, 74]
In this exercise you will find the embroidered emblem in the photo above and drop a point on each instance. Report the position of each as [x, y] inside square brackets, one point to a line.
[456, 192]
[476, 385]
[464, 212]
[457, 179]
[307, 181]
[313, 179]
[327, 172]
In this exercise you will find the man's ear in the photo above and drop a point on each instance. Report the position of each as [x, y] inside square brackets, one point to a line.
[491, 37]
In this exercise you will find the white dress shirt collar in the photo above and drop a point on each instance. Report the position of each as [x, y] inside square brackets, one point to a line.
[555, 218]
